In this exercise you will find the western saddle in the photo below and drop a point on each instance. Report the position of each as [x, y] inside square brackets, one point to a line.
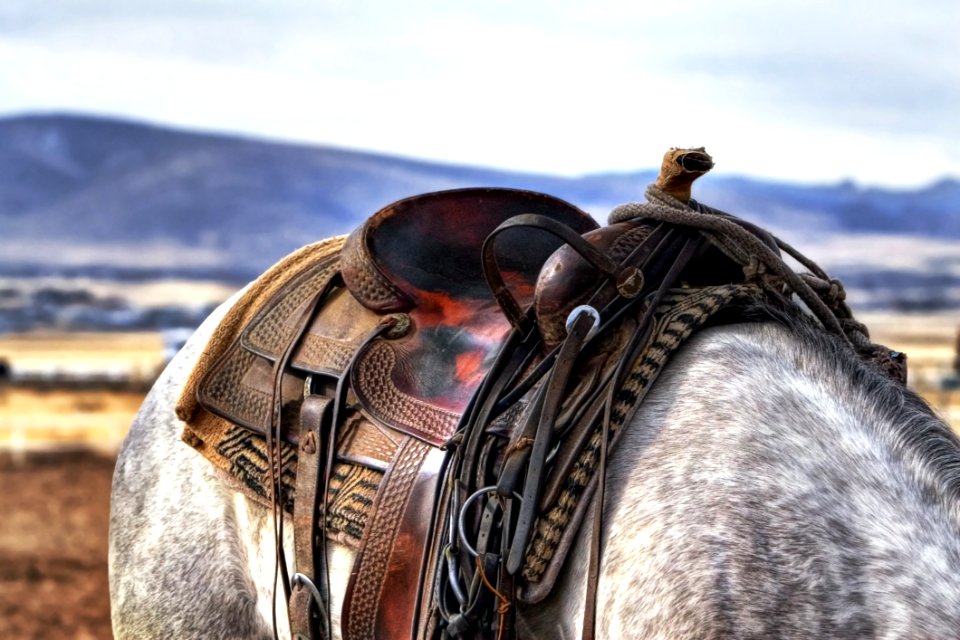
[474, 353]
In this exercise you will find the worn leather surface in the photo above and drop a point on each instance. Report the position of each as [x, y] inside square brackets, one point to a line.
[307, 617]
[424, 251]
[404, 581]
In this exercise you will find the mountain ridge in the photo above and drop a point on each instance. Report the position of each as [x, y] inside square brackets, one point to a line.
[80, 181]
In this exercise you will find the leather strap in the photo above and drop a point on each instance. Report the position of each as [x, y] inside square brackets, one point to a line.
[274, 438]
[408, 575]
[508, 304]
[556, 386]
[309, 598]
[365, 592]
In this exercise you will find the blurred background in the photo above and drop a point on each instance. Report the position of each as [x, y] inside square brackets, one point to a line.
[157, 155]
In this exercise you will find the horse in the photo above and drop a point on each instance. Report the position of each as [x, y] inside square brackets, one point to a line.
[771, 484]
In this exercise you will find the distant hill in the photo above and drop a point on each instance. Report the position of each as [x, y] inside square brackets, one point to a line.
[87, 191]
[86, 203]
[72, 184]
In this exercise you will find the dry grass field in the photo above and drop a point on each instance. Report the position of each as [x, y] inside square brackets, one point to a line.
[53, 546]
[41, 418]
[930, 342]
[77, 390]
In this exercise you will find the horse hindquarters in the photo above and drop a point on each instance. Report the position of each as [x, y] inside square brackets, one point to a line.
[177, 561]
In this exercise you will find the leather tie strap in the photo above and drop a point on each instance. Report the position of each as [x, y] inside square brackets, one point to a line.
[309, 601]
[366, 589]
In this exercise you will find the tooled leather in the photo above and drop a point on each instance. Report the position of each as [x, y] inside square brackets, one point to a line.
[334, 334]
[374, 290]
[272, 329]
[364, 443]
[222, 393]
[404, 586]
[234, 389]
[371, 378]
[322, 355]
[380, 534]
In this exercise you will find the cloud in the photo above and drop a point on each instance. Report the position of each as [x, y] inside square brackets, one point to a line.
[851, 90]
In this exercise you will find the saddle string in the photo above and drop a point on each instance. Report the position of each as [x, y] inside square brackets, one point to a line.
[555, 387]
[510, 360]
[396, 324]
[273, 438]
[513, 464]
[460, 580]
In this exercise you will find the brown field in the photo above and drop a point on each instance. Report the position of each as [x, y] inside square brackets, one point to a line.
[134, 357]
[930, 342]
[53, 581]
[53, 546]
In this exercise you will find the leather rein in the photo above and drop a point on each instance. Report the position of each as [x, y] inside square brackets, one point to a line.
[492, 511]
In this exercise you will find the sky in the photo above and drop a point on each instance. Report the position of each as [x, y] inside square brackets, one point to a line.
[810, 91]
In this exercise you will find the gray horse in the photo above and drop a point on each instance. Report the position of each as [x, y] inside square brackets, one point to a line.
[771, 485]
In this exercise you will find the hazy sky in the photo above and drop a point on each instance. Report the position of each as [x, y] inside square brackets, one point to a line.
[804, 90]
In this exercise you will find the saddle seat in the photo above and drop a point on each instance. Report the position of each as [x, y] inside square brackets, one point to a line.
[419, 256]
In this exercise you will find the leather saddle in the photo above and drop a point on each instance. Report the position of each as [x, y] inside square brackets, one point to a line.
[398, 330]
[400, 354]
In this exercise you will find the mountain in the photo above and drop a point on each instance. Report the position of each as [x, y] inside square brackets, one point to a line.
[72, 184]
[85, 195]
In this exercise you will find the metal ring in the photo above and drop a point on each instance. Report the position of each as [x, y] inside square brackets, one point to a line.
[593, 313]
[461, 526]
[299, 578]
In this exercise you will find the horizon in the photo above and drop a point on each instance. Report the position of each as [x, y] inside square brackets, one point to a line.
[652, 168]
